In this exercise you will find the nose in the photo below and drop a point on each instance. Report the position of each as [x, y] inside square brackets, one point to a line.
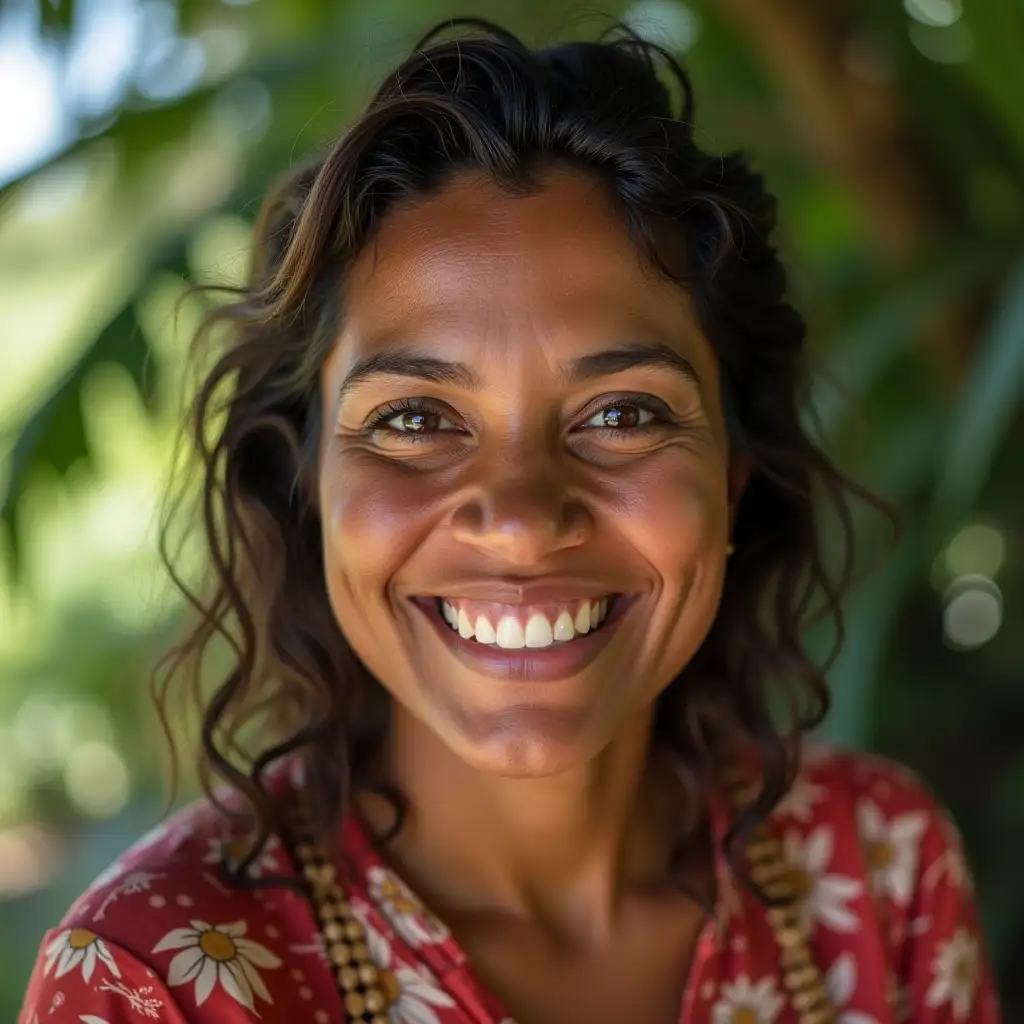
[523, 516]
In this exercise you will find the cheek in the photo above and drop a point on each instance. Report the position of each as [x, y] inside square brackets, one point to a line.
[675, 513]
[372, 521]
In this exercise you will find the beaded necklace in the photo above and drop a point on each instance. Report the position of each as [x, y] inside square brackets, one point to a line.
[368, 991]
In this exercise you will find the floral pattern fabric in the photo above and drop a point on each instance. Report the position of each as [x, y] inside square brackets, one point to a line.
[162, 936]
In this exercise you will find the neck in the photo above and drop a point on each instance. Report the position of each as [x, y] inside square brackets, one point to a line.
[564, 849]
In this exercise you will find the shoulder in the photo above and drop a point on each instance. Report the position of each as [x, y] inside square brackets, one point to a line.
[877, 819]
[169, 864]
[838, 785]
[167, 911]
[885, 863]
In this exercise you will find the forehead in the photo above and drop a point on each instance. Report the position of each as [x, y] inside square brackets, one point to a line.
[476, 257]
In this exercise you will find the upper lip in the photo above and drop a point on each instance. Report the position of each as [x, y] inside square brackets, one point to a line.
[536, 591]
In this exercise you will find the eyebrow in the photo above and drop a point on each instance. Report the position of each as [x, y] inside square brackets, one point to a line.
[405, 362]
[628, 356]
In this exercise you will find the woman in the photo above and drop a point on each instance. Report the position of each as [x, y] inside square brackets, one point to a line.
[508, 504]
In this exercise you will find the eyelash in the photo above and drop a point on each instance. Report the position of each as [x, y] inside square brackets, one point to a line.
[647, 403]
[378, 422]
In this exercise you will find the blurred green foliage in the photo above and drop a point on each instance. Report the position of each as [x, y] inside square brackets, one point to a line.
[894, 136]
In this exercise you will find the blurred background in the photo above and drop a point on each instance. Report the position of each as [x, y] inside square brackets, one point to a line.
[136, 140]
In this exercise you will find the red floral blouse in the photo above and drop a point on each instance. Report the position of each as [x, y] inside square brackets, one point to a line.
[160, 935]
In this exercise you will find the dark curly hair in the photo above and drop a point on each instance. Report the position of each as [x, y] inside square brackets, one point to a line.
[478, 98]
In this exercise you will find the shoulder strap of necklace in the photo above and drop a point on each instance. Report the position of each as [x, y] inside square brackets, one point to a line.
[776, 878]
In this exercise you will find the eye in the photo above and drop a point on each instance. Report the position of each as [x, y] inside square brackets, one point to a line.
[418, 422]
[410, 419]
[621, 416]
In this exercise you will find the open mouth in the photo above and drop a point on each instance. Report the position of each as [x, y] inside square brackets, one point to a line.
[511, 627]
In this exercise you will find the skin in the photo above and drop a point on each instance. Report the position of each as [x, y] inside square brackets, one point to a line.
[540, 828]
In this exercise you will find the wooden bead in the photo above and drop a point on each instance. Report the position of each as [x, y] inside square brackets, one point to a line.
[799, 978]
[319, 876]
[355, 1004]
[790, 937]
[389, 985]
[353, 929]
[379, 1018]
[334, 931]
[348, 977]
[795, 952]
[770, 871]
[783, 917]
[809, 999]
[367, 974]
[340, 953]
[821, 1015]
[781, 888]
[360, 953]
[761, 850]
[375, 1001]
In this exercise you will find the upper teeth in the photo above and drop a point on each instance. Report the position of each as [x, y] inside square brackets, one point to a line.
[540, 629]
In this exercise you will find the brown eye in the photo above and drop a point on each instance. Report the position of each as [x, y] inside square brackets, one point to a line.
[622, 416]
[418, 421]
[414, 422]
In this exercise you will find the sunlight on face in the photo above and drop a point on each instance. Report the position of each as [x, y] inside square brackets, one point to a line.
[523, 421]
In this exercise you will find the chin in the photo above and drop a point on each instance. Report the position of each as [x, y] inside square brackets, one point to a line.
[526, 743]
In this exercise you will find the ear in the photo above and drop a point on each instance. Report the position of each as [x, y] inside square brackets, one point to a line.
[739, 476]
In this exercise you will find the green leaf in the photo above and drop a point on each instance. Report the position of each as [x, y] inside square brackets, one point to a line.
[857, 675]
[56, 17]
[862, 354]
[53, 433]
[990, 400]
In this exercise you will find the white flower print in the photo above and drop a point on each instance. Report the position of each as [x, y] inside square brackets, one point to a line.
[823, 897]
[746, 1003]
[78, 946]
[417, 994]
[951, 862]
[230, 851]
[212, 954]
[141, 1000]
[799, 801]
[404, 912]
[891, 848]
[841, 982]
[418, 991]
[132, 883]
[955, 969]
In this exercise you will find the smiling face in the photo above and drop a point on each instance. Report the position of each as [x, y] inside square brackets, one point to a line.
[524, 475]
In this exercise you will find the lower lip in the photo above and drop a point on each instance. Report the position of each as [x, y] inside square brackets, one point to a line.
[527, 664]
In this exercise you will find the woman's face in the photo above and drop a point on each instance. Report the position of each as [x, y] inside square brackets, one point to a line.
[524, 476]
